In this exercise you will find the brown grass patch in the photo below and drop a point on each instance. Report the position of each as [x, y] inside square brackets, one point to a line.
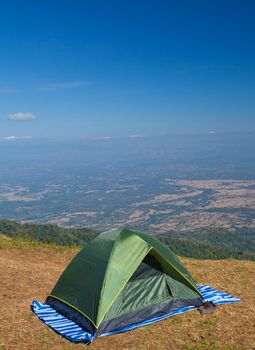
[29, 271]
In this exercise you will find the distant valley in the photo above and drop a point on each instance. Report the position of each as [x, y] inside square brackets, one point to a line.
[172, 204]
[158, 184]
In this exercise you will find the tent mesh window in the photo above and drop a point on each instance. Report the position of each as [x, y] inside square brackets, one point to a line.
[145, 291]
[146, 287]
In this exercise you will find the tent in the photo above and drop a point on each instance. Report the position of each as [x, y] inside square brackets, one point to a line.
[121, 280]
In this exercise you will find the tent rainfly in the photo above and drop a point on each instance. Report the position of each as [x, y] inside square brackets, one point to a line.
[121, 280]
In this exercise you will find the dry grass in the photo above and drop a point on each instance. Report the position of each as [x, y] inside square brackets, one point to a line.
[29, 271]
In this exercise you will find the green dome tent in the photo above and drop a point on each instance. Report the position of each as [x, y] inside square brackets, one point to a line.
[120, 278]
[120, 281]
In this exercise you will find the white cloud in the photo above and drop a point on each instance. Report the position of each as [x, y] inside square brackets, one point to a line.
[21, 116]
[101, 138]
[67, 85]
[9, 138]
[14, 138]
[135, 136]
[212, 132]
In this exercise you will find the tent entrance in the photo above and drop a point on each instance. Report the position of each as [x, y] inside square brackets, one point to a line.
[149, 293]
[147, 286]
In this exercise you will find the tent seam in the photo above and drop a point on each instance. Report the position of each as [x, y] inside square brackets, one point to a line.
[147, 252]
[74, 307]
[106, 270]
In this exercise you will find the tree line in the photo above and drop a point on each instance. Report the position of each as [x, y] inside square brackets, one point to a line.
[208, 243]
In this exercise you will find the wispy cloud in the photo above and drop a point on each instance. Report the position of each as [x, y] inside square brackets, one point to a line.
[6, 90]
[66, 85]
[135, 136]
[100, 138]
[22, 116]
[14, 138]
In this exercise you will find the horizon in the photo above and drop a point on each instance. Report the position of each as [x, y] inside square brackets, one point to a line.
[14, 139]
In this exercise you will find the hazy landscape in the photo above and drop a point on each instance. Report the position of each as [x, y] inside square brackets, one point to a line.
[158, 184]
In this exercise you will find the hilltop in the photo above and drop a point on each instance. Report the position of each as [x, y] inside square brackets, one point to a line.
[212, 243]
[29, 270]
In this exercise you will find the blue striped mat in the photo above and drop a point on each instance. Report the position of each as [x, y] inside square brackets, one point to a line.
[75, 333]
[61, 324]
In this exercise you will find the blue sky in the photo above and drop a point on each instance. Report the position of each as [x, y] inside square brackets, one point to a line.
[77, 69]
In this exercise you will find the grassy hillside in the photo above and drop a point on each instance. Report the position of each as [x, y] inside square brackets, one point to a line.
[47, 233]
[213, 243]
[29, 270]
[207, 243]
